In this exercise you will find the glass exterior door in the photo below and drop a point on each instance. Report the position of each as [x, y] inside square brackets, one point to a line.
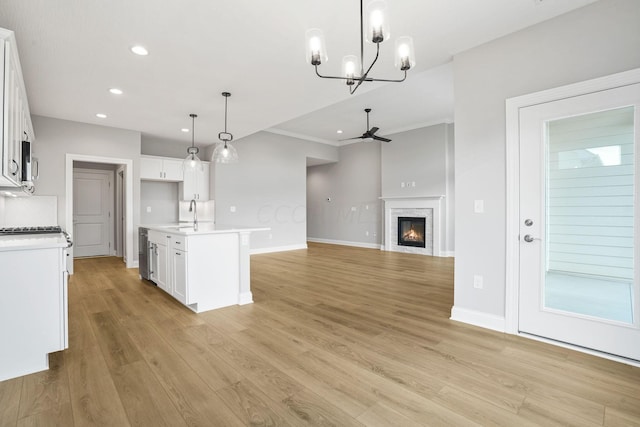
[579, 228]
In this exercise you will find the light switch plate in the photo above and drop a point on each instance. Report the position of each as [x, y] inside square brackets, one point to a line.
[478, 206]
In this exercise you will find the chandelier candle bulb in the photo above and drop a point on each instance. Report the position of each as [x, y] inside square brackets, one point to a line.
[377, 28]
[405, 56]
[316, 53]
[350, 65]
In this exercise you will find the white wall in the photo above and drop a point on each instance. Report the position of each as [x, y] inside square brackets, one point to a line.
[267, 187]
[162, 198]
[56, 138]
[597, 40]
[352, 182]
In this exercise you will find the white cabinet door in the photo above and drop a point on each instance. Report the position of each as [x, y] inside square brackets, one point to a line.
[13, 112]
[196, 184]
[160, 169]
[162, 272]
[151, 168]
[172, 170]
[179, 275]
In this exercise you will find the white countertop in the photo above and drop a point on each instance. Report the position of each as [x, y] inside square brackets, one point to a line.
[32, 241]
[203, 228]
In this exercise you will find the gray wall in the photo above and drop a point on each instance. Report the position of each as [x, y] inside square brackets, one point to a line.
[152, 146]
[367, 171]
[353, 182]
[56, 138]
[267, 187]
[423, 156]
[162, 198]
[597, 40]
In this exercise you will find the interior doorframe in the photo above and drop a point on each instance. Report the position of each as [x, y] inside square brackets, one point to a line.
[513, 106]
[128, 165]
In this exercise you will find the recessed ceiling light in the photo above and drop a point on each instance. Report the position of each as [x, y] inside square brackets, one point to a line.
[140, 50]
[115, 91]
[339, 131]
[184, 130]
[101, 116]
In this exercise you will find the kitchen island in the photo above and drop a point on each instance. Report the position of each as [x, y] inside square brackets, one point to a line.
[204, 267]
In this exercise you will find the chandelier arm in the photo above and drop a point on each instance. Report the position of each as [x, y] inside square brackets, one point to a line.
[365, 75]
[368, 79]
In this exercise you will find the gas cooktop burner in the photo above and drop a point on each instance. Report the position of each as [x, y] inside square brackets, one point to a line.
[49, 229]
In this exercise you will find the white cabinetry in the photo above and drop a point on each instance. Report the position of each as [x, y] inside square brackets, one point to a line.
[196, 183]
[203, 269]
[160, 169]
[33, 306]
[15, 125]
[159, 261]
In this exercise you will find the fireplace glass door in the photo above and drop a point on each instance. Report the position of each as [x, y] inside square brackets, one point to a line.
[411, 231]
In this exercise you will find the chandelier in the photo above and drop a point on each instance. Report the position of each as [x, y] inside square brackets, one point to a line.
[377, 31]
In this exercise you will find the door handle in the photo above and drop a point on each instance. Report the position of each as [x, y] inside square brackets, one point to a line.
[528, 238]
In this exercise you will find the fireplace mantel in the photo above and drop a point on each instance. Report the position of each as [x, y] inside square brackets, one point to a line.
[394, 204]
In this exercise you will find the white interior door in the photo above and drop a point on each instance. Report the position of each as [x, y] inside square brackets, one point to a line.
[578, 221]
[92, 208]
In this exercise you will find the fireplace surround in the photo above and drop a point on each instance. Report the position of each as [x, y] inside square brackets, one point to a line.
[428, 208]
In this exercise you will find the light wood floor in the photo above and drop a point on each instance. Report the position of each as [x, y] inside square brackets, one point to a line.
[336, 336]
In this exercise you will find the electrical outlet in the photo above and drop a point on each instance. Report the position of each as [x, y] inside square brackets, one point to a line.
[478, 206]
[413, 183]
[353, 208]
[232, 208]
[148, 209]
[366, 233]
[478, 282]
[402, 185]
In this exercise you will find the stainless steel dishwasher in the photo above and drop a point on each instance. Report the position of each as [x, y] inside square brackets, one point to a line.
[144, 264]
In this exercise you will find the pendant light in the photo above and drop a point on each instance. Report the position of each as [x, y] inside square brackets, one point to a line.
[224, 151]
[192, 162]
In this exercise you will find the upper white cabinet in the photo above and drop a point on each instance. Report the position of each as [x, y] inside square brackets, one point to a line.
[160, 169]
[196, 184]
[15, 125]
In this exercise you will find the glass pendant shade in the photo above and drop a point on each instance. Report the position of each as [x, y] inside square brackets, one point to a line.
[405, 54]
[192, 163]
[315, 47]
[376, 26]
[225, 153]
[350, 68]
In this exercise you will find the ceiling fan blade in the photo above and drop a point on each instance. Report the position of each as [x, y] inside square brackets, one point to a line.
[380, 138]
[372, 130]
[349, 139]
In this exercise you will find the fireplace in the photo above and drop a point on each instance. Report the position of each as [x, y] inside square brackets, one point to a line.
[411, 231]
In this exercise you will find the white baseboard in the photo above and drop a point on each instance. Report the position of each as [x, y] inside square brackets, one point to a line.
[245, 298]
[448, 254]
[277, 249]
[478, 318]
[134, 264]
[345, 243]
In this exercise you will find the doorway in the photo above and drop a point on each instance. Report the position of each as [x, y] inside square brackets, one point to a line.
[126, 165]
[574, 229]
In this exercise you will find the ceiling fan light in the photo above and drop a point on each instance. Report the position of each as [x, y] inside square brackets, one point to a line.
[405, 54]
[377, 25]
[315, 47]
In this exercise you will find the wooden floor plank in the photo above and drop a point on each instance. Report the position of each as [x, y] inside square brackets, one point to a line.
[336, 336]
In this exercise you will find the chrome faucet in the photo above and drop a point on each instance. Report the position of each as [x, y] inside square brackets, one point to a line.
[193, 207]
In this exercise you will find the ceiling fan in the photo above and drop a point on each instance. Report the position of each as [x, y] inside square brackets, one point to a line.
[370, 133]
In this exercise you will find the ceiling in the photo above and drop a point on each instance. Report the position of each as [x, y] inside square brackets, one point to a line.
[72, 52]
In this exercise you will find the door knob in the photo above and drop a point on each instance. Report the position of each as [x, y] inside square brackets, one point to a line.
[528, 238]
[528, 222]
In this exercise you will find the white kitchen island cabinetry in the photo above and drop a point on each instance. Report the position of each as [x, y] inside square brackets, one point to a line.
[159, 273]
[207, 268]
[33, 306]
[160, 169]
